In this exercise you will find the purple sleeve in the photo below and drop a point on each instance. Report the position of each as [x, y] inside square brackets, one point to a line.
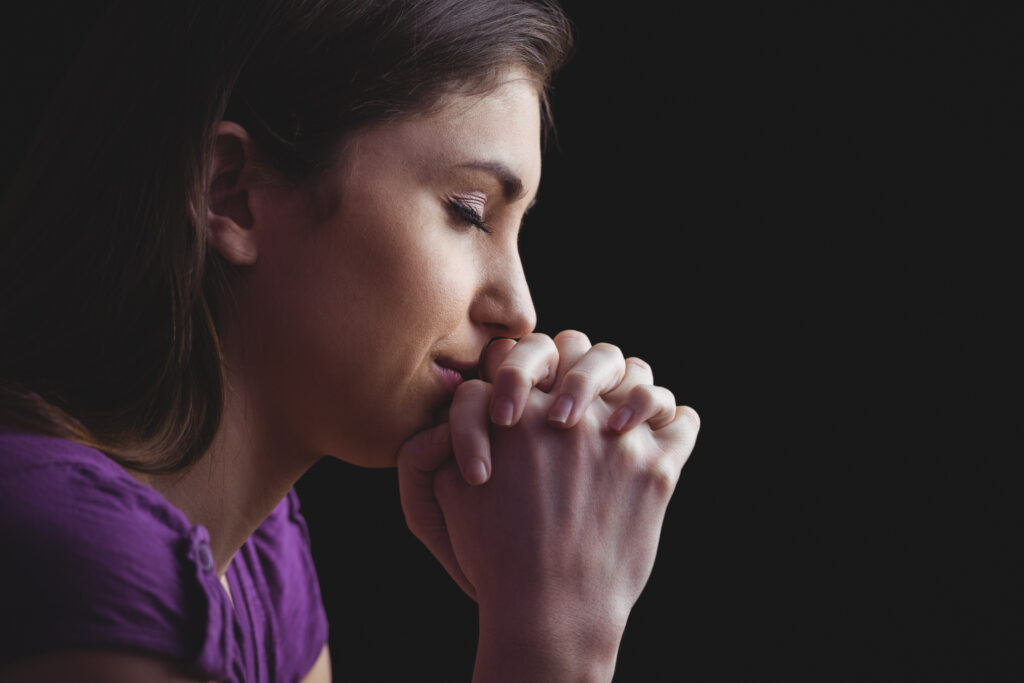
[93, 559]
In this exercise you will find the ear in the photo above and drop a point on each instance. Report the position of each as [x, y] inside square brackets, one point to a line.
[229, 216]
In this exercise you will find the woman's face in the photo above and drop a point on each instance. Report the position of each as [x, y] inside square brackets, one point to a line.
[359, 324]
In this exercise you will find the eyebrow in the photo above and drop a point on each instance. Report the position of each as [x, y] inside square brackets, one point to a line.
[511, 184]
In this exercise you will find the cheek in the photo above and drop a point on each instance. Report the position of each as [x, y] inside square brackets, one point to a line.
[357, 322]
[418, 270]
[443, 280]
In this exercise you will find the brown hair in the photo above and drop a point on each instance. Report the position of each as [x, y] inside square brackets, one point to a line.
[106, 285]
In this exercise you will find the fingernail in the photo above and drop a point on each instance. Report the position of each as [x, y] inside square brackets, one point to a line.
[476, 473]
[620, 417]
[560, 411]
[501, 411]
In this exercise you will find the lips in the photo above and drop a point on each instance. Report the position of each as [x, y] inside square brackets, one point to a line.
[453, 372]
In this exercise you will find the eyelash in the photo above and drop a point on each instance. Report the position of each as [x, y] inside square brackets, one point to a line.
[469, 215]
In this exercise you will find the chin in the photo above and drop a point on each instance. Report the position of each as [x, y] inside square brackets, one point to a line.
[378, 448]
[369, 460]
[378, 453]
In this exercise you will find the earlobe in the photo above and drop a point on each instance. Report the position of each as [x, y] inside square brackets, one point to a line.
[229, 217]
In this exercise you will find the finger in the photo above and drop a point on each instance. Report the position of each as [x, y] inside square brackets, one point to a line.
[494, 355]
[533, 361]
[600, 370]
[572, 345]
[678, 437]
[644, 403]
[418, 458]
[638, 372]
[470, 430]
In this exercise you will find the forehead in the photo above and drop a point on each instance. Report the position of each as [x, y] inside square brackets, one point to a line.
[499, 127]
[511, 108]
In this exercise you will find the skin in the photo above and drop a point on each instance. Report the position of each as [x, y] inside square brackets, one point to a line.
[324, 356]
[449, 287]
[335, 342]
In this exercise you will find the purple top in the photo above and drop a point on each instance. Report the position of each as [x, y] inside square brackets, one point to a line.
[94, 559]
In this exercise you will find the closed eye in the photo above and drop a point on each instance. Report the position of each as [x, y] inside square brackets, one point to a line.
[468, 215]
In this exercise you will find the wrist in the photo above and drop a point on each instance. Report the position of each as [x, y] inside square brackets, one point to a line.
[550, 645]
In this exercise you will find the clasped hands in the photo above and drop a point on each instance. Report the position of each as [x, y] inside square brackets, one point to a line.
[550, 512]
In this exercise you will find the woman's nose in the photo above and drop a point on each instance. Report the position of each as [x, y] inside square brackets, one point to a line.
[504, 304]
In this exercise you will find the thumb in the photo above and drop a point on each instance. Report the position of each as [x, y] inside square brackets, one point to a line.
[417, 460]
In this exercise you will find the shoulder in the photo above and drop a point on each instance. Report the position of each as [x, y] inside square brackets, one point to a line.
[77, 498]
[44, 474]
[282, 540]
[96, 559]
[279, 558]
[281, 553]
[80, 500]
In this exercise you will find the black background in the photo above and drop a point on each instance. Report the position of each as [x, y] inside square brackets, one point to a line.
[802, 215]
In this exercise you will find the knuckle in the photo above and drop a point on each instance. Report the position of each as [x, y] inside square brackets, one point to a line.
[537, 338]
[689, 415]
[662, 476]
[468, 396]
[640, 364]
[579, 381]
[511, 376]
[632, 455]
[470, 389]
[643, 397]
[574, 337]
[499, 345]
[610, 350]
[651, 466]
[547, 347]
[666, 398]
[498, 342]
[548, 375]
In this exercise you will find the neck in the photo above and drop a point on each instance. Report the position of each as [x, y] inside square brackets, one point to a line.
[238, 482]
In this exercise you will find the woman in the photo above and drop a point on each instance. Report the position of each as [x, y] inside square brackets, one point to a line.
[254, 234]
